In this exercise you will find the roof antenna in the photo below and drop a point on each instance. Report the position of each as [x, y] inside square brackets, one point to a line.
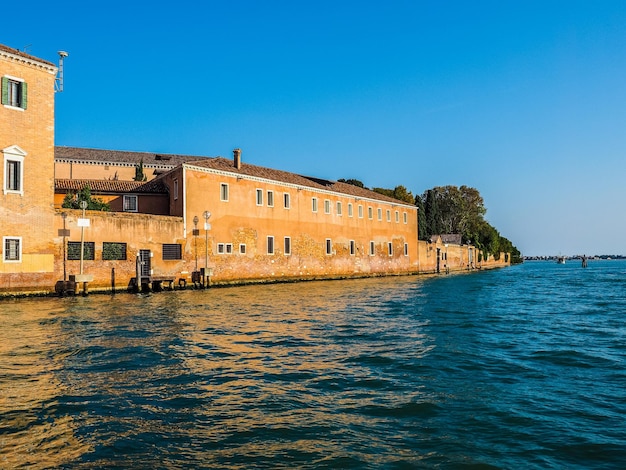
[58, 82]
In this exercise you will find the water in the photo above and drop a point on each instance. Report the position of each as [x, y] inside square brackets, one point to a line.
[517, 368]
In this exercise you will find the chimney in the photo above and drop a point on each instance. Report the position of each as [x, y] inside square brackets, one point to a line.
[237, 158]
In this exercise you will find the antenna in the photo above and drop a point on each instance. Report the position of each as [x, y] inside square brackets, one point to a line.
[58, 82]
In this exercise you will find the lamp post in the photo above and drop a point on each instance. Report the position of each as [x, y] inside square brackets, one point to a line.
[207, 227]
[196, 232]
[83, 206]
[65, 233]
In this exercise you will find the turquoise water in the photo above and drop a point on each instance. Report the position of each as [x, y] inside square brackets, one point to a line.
[523, 367]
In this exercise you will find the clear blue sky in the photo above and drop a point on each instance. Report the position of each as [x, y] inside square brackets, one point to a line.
[525, 101]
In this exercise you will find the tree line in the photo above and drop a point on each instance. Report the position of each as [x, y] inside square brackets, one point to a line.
[453, 210]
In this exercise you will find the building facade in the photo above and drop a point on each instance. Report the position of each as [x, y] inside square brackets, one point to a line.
[234, 221]
[27, 145]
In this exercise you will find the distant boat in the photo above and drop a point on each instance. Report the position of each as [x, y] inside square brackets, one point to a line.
[560, 259]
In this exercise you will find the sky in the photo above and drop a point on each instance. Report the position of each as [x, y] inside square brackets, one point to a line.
[524, 101]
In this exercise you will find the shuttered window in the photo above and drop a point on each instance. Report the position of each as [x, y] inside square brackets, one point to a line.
[14, 93]
[172, 251]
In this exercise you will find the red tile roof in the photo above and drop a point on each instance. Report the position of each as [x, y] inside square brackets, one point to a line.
[111, 186]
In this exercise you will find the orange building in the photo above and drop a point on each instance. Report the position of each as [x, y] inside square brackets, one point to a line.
[27, 146]
[233, 221]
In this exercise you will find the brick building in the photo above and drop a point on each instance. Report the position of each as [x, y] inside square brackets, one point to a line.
[27, 145]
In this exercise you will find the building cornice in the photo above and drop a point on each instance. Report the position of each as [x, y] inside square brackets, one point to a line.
[298, 187]
[28, 60]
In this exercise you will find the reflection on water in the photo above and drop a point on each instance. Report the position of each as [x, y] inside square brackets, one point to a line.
[393, 373]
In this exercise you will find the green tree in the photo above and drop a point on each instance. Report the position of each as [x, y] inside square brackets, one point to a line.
[73, 200]
[352, 181]
[139, 174]
[422, 233]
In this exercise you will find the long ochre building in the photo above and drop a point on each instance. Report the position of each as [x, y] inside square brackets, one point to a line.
[203, 219]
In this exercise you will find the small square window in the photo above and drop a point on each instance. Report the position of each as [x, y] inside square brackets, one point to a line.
[229, 248]
[172, 251]
[73, 251]
[242, 248]
[113, 251]
[130, 203]
[220, 249]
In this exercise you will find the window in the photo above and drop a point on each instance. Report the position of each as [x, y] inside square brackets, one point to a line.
[73, 251]
[329, 247]
[13, 170]
[339, 210]
[130, 203]
[224, 192]
[175, 189]
[406, 249]
[326, 206]
[360, 211]
[172, 251]
[379, 211]
[113, 251]
[12, 249]
[397, 217]
[352, 247]
[314, 204]
[286, 201]
[259, 197]
[405, 217]
[350, 209]
[388, 215]
[372, 249]
[270, 199]
[242, 248]
[390, 248]
[270, 245]
[224, 248]
[14, 92]
[370, 213]
[287, 246]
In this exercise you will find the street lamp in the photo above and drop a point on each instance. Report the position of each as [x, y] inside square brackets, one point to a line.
[83, 223]
[196, 232]
[65, 234]
[207, 227]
